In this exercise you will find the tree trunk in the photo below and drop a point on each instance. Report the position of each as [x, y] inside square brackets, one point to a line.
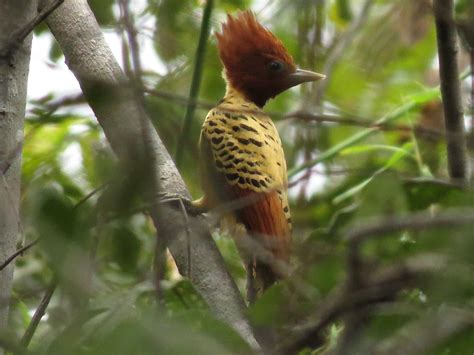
[13, 83]
[133, 137]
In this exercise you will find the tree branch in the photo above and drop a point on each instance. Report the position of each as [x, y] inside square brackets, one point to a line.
[17, 253]
[17, 39]
[451, 89]
[119, 113]
[39, 313]
[415, 222]
[133, 41]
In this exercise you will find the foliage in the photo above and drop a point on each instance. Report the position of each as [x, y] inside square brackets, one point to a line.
[99, 248]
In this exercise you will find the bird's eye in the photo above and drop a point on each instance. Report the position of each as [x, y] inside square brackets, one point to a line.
[275, 66]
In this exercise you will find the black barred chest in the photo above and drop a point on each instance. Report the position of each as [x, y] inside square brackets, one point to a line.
[246, 148]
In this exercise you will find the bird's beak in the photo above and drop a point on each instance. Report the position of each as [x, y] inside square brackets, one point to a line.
[302, 76]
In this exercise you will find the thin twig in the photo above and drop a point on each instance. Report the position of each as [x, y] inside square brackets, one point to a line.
[415, 222]
[296, 115]
[39, 313]
[72, 100]
[359, 136]
[363, 134]
[196, 81]
[451, 88]
[307, 116]
[127, 66]
[358, 122]
[18, 253]
[17, 39]
[133, 41]
[90, 194]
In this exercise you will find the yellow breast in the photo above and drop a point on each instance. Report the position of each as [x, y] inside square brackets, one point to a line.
[246, 147]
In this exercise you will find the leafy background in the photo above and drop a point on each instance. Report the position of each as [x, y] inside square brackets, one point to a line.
[96, 243]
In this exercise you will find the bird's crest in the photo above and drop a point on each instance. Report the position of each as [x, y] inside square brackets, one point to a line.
[244, 35]
[246, 48]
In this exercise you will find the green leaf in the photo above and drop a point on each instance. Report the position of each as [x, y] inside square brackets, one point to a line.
[374, 147]
[399, 154]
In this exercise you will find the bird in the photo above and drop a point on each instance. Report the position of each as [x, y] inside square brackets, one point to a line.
[242, 162]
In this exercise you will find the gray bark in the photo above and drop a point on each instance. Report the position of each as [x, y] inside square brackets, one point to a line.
[132, 137]
[13, 84]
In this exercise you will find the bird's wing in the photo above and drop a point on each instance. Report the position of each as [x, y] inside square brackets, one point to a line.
[249, 166]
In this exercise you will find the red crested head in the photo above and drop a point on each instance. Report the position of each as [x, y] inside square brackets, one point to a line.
[256, 62]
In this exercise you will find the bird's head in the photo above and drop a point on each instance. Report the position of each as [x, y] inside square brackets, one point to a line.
[256, 62]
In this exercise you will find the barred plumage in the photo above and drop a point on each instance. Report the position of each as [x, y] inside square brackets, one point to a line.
[242, 158]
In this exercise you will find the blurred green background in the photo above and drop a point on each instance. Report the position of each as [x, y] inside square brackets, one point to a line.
[380, 58]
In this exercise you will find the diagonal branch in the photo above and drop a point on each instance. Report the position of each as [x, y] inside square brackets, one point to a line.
[123, 119]
[39, 313]
[19, 252]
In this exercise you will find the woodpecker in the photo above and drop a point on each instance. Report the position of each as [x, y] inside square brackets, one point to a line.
[241, 154]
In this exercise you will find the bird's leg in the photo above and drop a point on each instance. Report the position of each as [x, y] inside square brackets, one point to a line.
[194, 208]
